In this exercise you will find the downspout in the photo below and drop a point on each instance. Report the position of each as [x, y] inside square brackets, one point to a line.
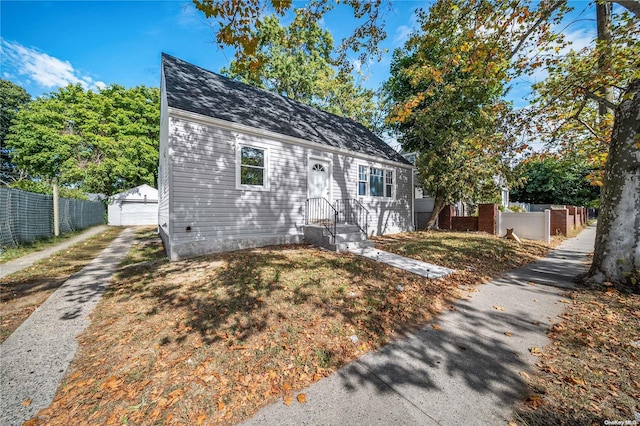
[413, 201]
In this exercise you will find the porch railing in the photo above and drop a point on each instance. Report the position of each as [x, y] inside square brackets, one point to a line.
[351, 211]
[319, 211]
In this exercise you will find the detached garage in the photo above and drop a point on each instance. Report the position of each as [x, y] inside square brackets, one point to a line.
[137, 206]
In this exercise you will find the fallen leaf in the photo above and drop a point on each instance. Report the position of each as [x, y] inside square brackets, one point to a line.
[26, 402]
[435, 327]
[574, 380]
[506, 333]
[220, 405]
[287, 400]
[534, 401]
[500, 308]
[302, 398]
[565, 301]
[201, 419]
[317, 377]
[535, 351]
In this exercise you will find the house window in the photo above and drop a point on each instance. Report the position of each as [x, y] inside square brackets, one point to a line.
[375, 182]
[362, 180]
[388, 183]
[253, 170]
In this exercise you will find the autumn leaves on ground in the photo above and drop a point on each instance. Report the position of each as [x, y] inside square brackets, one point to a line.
[215, 338]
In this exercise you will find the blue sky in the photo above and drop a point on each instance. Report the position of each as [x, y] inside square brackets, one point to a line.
[48, 44]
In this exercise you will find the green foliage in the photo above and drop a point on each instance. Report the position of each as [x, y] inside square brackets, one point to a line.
[101, 142]
[12, 98]
[551, 180]
[237, 23]
[295, 61]
[43, 187]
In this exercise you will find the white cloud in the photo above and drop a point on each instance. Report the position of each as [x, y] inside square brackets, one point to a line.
[43, 69]
[403, 31]
[402, 34]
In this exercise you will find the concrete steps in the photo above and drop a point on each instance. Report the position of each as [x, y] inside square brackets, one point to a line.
[348, 237]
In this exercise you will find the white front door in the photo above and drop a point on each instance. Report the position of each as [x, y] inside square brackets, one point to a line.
[318, 179]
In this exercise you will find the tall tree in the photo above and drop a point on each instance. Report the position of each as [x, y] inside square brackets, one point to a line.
[236, 23]
[550, 179]
[447, 86]
[571, 99]
[100, 142]
[12, 98]
[296, 61]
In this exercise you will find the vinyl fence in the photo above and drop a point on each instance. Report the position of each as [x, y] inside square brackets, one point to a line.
[532, 226]
[26, 216]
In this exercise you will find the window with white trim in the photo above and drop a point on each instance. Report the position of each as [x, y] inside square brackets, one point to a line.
[374, 182]
[363, 178]
[388, 183]
[252, 167]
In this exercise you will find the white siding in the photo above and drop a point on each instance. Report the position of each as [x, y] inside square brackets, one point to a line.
[164, 170]
[207, 209]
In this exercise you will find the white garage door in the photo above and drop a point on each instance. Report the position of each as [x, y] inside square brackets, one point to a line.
[131, 214]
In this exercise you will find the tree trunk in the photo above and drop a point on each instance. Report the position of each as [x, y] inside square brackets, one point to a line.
[617, 250]
[603, 21]
[438, 205]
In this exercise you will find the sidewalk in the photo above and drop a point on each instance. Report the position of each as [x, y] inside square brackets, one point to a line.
[467, 372]
[34, 358]
[28, 260]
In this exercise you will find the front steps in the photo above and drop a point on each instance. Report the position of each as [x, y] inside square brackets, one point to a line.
[348, 237]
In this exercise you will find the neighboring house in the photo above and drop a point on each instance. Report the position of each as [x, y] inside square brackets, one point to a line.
[137, 206]
[243, 167]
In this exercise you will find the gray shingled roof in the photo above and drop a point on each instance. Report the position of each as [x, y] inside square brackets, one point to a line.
[194, 89]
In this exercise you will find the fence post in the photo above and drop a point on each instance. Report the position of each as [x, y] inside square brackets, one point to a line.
[487, 217]
[547, 226]
[56, 210]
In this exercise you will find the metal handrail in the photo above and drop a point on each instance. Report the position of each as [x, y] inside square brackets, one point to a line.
[320, 212]
[352, 211]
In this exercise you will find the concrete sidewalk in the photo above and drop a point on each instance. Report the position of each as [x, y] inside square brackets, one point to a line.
[468, 372]
[34, 359]
[24, 262]
[424, 269]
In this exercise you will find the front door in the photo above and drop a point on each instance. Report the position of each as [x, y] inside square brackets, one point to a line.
[318, 179]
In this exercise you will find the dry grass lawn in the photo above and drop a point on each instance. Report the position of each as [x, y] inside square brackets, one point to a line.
[213, 339]
[591, 371]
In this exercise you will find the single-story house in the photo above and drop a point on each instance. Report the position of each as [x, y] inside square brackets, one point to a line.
[136, 206]
[243, 167]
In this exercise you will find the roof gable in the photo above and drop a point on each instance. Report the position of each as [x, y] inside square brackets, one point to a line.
[194, 89]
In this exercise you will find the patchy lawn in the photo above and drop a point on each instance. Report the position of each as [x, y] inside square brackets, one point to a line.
[591, 371]
[213, 339]
[11, 253]
[477, 252]
[21, 293]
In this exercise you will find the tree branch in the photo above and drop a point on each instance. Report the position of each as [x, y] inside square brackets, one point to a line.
[600, 100]
[543, 18]
[632, 6]
[589, 128]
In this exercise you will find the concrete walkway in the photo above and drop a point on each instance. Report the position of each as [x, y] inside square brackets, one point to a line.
[424, 269]
[24, 262]
[468, 372]
[34, 358]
